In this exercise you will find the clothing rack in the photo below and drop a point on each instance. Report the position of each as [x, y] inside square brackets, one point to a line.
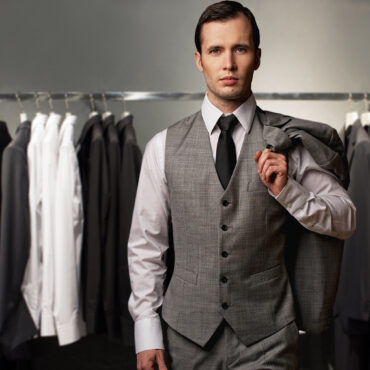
[161, 95]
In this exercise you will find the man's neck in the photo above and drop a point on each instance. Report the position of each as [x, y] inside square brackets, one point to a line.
[227, 106]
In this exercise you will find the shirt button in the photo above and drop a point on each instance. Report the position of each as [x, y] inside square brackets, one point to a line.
[224, 279]
[225, 203]
[224, 227]
[225, 306]
[224, 254]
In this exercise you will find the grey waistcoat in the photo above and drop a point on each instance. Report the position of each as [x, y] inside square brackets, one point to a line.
[248, 285]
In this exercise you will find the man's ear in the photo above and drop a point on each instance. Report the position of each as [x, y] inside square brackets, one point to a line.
[198, 61]
[257, 58]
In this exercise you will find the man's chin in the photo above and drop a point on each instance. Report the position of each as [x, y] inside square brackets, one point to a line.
[232, 95]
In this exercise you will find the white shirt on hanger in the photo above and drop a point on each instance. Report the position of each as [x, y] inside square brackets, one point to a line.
[32, 281]
[312, 195]
[49, 172]
[68, 228]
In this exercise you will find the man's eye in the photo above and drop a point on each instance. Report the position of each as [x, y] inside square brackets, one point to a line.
[214, 51]
[241, 50]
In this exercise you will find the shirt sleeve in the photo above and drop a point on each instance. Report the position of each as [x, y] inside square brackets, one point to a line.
[148, 241]
[315, 197]
[68, 244]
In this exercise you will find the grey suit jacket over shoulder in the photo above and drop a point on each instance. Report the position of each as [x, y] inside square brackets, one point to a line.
[313, 260]
[322, 141]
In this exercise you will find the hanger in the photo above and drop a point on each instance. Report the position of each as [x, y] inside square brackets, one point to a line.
[351, 116]
[365, 117]
[106, 113]
[92, 105]
[23, 115]
[50, 100]
[125, 113]
[37, 103]
[68, 113]
[39, 115]
[57, 117]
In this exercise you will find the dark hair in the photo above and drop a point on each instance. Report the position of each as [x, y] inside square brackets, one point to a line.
[224, 10]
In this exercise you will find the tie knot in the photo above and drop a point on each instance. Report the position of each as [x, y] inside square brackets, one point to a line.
[227, 123]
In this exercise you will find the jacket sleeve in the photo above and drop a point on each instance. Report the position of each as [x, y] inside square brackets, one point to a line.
[68, 243]
[315, 198]
[15, 230]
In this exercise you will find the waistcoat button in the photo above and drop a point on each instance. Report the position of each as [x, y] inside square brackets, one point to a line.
[225, 203]
[225, 306]
[224, 227]
[224, 279]
[224, 254]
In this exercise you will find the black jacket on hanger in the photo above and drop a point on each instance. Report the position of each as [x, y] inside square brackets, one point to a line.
[5, 139]
[111, 247]
[129, 176]
[95, 191]
[16, 324]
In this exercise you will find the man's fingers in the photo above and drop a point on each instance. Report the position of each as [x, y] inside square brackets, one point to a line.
[262, 158]
[257, 155]
[160, 361]
[272, 172]
[146, 360]
[272, 169]
[269, 158]
[272, 162]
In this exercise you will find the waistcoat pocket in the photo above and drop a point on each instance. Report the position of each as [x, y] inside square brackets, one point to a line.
[186, 275]
[266, 275]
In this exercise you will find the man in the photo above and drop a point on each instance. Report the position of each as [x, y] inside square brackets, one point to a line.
[229, 303]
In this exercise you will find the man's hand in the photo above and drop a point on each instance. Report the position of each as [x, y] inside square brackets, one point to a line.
[272, 168]
[147, 359]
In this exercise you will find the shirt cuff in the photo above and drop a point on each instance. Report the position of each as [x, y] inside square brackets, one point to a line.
[290, 197]
[70, 332]
[148, 334]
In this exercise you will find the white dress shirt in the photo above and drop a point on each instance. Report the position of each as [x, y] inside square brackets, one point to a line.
[31, 286]
[68, 229]
[49, 172]
[312, 195]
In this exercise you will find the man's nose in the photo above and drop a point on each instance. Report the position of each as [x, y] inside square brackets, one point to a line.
[229, 61]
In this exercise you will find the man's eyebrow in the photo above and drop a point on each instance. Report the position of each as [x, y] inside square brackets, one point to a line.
[213, 47]
[242, 45]
[234, 46]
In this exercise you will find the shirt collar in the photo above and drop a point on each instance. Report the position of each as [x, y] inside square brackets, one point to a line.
[244, 113]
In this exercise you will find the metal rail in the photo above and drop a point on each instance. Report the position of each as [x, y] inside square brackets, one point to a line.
[160, 95]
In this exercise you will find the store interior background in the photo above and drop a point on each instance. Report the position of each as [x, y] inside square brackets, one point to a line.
[145, 45]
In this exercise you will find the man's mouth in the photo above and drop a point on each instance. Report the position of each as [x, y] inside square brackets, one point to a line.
[229, 80]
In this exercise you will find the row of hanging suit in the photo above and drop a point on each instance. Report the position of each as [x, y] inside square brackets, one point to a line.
[352, 306]
[65, 220]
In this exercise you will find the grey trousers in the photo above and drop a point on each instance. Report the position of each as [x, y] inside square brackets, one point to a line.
[226, 351]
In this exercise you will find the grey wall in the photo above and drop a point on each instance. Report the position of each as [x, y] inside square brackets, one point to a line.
[121, 45]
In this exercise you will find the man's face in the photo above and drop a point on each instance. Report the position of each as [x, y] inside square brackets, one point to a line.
[228, 59]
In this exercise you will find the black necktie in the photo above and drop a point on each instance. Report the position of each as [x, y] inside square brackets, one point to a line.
[226, 155]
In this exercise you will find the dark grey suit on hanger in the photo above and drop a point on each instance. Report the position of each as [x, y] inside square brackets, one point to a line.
[352, 305]
[16, 324]
[95, 190]
[110, 264]
[129, 176]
